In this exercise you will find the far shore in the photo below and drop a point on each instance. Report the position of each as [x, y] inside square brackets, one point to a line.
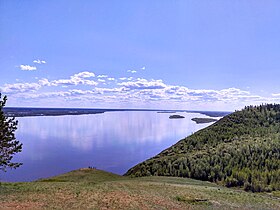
[33, 112]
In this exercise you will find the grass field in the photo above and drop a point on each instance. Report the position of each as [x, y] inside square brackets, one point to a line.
[95, 189]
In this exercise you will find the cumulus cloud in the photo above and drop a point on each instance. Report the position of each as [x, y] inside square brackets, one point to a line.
[143, 68]
[20, 87]
[84, 74]
[38, 61]
[132, 71]
[209, 95]
[110, 90]
[73, 81]
[129, 90]
[44, 82]
[101, 80]
[76, 79]
[102, 76]
[143, 84]
[126, 78]
[275, 94]
[27, 68]
[80, 92]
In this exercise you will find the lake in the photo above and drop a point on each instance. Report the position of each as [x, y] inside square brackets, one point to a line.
[112, 141]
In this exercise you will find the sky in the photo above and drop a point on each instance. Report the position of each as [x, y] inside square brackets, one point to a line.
[160, 54]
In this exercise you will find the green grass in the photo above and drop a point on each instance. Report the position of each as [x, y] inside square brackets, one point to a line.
[95, 189]
[84, 175]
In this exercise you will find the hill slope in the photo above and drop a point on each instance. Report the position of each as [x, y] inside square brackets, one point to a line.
[95, 189]
[241, 149]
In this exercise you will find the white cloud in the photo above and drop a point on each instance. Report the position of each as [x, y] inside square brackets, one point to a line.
[38, 61]
[73, 81]
[44, 82]
[130, 91]
[111, 90]
[84, 74]
[125, 78]
[132, 71]
[76, 79]
[101, 80]
[27, 68]
[20, 87]
[102, 76]
[90, 82]
[80, 92]
[209, 95]
[143, 84]
[143, 68]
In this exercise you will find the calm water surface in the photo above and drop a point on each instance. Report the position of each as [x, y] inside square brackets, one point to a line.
[113, 141]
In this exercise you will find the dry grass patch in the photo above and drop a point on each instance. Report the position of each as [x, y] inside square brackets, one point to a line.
[93, 189]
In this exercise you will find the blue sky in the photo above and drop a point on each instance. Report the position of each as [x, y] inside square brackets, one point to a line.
[170, 54]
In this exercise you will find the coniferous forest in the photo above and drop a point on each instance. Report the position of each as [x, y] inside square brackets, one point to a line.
[240, 150]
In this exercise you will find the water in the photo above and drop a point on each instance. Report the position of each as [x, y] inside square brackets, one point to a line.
[113, 141]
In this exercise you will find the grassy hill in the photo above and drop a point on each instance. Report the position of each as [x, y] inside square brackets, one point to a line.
[95, 189]
[240, 150]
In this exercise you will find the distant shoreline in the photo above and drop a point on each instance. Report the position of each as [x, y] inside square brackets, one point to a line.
[37, 112]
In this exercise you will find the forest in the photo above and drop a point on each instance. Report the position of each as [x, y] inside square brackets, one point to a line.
[240, 150]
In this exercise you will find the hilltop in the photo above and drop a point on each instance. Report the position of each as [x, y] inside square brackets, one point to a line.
[240, 150]
[96, 189]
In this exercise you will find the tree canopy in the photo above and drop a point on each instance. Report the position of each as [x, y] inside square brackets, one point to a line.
[9, 146]
[242, 149]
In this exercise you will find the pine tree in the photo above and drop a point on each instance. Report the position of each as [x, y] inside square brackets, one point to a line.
[9, 146]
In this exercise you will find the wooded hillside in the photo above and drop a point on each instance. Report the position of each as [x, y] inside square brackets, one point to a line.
[241, 149]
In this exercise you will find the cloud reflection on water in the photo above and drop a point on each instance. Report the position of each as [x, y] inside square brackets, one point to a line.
[112, 141]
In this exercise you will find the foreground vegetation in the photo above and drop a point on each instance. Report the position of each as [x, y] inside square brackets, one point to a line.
[240, 150]
[9, 146]
[94, 189]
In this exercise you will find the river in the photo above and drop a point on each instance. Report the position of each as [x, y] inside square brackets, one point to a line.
[112, 141]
